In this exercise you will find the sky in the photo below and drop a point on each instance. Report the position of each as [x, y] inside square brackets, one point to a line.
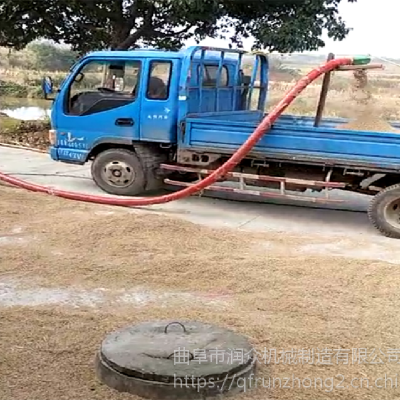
[374, 30]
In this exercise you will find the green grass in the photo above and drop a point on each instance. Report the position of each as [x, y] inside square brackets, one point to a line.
[26, 84]
[8, 124]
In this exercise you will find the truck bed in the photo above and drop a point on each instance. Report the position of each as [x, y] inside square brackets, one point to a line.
[295, 139]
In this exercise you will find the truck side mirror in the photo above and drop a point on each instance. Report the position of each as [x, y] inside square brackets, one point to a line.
[47, 86]
[79, 77]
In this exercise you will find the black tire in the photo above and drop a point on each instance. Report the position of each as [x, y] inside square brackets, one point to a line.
[384, 211]
[151, 157]
[131, 183]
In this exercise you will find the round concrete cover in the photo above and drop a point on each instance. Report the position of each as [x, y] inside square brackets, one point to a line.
[163, 351]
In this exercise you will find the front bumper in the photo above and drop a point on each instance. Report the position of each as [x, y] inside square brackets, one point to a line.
[54, 153]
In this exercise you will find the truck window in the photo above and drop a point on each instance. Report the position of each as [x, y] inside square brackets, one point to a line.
[210, 75]
[103, 85]
[159, 80]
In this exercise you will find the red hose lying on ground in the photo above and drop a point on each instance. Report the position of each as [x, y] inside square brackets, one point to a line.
[246, 147]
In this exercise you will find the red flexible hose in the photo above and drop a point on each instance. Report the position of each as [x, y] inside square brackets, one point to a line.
[246, 147]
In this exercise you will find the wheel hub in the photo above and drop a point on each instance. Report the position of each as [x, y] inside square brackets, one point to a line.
[119, 173]
[392, 213]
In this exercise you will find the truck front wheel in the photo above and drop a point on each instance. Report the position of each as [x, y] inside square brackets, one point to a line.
[384, 211]
[119, 172]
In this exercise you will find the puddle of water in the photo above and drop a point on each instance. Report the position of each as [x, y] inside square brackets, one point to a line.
[27, 113]
[11, 295]
[25, 109]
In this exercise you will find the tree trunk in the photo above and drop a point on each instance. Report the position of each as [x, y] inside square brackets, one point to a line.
[123, 31]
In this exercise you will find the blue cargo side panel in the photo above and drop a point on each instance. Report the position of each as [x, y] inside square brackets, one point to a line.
[333, 146]
[243, 116]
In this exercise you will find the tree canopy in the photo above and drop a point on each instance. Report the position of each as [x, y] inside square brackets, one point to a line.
[276, 25]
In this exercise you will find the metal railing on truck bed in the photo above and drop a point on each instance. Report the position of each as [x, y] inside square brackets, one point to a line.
[228, 89]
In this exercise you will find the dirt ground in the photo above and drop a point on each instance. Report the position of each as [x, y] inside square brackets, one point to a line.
[54, 250]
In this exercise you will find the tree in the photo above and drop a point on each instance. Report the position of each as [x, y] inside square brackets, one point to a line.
[47, 57]
[281, 25]
[24, 21]
[286, 26]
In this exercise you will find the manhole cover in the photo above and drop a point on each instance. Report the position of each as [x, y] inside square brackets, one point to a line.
[176, 360]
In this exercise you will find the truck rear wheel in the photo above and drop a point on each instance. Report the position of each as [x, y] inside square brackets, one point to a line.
[384, 211]
[119, 172]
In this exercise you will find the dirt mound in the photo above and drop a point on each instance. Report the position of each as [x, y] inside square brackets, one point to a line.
[368, 116]
[368, 119]
[25, 133]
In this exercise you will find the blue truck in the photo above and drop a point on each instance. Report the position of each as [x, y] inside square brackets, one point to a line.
[144, 118]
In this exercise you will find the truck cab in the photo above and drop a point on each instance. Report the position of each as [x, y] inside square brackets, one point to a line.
[135, 105]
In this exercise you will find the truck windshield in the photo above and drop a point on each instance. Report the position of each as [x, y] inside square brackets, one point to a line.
[99, 82]
[120, 77]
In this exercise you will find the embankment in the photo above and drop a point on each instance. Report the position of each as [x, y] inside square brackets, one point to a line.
[13, 89]
[25, 133]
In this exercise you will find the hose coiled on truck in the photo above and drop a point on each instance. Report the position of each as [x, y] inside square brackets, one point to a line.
[235, 159]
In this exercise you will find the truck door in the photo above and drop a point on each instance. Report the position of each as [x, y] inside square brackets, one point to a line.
[100, 104]
[160, 101]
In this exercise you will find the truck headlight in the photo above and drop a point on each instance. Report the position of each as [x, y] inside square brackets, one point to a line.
[52, 136]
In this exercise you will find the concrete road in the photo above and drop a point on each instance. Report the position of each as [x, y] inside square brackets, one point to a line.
[347, 220]
[347, 230]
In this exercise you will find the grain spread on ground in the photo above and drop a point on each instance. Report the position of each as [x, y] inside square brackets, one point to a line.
[367, 117]
[322, 311]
